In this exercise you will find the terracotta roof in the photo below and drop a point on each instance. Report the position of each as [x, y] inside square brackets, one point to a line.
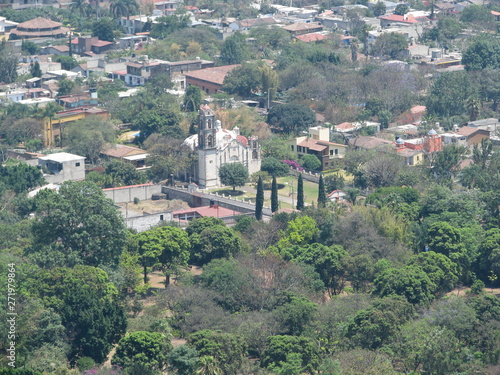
[61, 48]
[368, 142]
[313, 37]
[243, 140]
[208, 211]
[301, 26]
[345, 126]
[101, 43]
[213, 75]
[313, 144]
[397, 18]
[495, 13]
[467, 130]
[120, 151]
[39, 23]
[408, 152]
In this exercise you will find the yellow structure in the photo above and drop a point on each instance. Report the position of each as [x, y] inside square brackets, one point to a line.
[52, 127]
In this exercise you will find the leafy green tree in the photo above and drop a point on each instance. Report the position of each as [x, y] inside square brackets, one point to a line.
[384, 117]
[212, 243]
[390, 44]
[449, 93]
[146, 349]
[259, 200]
[280, 347]
[441, 270]
[449, 27]
[199, 225]
[278, 148]
[77, 224]
[233, 50]
[20, 177]
[410, 282]
[360, 272]
[476, 14]
[88, 305]
[192, 98]
[65, 86]
[322, 199]
[291, 118]
[300, 193]
[374, 326]
[310, 162]
[446, 163]
[401, 9]
[329, 262]
[295, 315]
[89, 136]
[482, 53]
[379, 9]
[243, 80]
[227, 349]
[274, 167]
[207, 365]
[67, 62]
[489, 257]
[274, 196]
[123, 174]
[233, 174]
[300, 231]
[167, 246]
[165, 26]
[35, 70]
[8, 63]
[183, 360]
[81, 7]
[103, 28]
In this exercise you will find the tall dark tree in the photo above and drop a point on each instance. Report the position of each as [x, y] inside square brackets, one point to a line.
[192, 99]
[259, 200]
[274, 196]
[300, 193]
[35, 70]
[233, 51]
[321, 193]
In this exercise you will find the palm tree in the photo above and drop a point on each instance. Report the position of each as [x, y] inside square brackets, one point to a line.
[81, 7]
[123, 8]
[207, 365]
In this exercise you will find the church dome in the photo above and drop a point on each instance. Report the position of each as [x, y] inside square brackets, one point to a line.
[432, 132]
[399, 141]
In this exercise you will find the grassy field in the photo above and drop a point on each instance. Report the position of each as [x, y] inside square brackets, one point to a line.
[310, 189]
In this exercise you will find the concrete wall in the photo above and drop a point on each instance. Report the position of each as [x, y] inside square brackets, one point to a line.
[145, 222]
[199, 199]
[127, 194]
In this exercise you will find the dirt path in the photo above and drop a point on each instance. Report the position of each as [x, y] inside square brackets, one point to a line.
[460, 292]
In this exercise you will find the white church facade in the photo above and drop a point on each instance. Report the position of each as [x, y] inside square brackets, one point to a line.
[216, 147]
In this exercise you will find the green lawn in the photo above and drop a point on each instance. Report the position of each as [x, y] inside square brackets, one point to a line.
[310, 189]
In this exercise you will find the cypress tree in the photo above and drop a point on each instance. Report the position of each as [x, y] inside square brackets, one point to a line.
[274, 196]
[259, 200]
[321, 193]
[300, 193]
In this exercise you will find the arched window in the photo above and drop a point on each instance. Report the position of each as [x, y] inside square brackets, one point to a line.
[210, 140]
[209, 124]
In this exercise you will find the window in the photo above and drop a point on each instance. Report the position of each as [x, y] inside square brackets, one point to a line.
[161, 217]
[291, 147]
[77, 164]
[331, 152]
[336, 151]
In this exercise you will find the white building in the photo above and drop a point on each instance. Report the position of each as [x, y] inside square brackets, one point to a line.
[217, 147]
[63, 166]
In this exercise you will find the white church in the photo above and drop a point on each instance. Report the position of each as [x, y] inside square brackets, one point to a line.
[217, 147]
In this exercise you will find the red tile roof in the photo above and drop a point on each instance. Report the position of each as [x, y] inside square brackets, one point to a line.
[313, 144]
[467, 130]
[120, 151]
[313, 37]
[214, 75]
[101, 43]
[397, 18]
[39, 23]
[495, 13]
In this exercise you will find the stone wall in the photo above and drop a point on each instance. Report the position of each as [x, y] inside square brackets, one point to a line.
[126, 194]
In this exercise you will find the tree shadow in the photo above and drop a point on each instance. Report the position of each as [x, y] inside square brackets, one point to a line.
[231, 192]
